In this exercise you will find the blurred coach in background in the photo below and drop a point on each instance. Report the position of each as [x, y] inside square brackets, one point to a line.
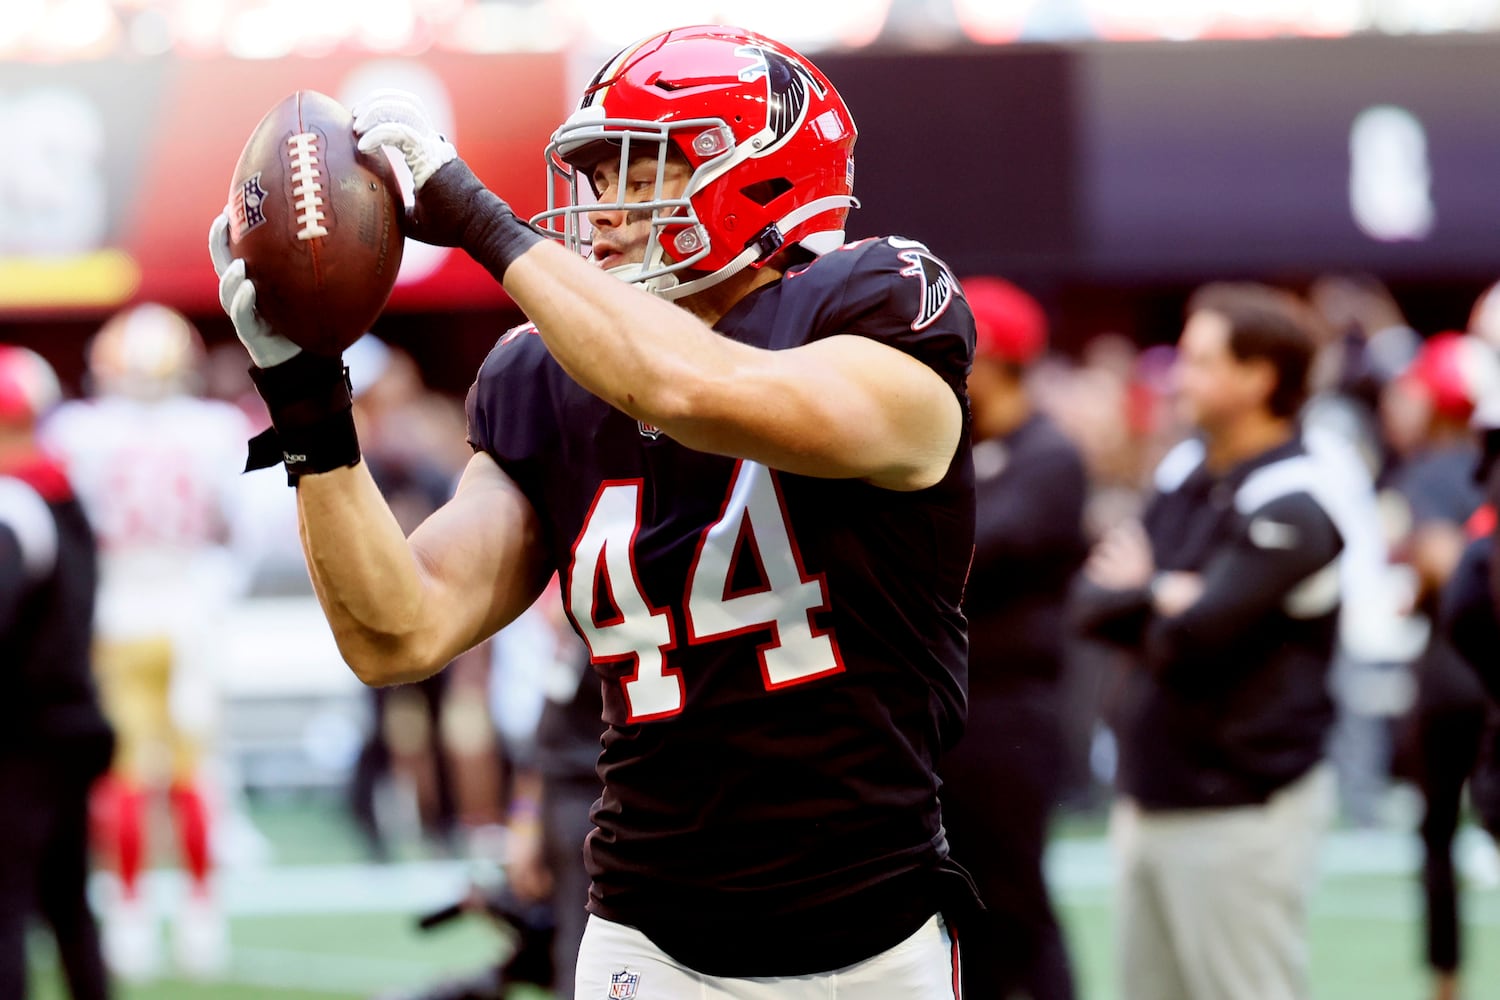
[1230, 599]
[1003, 779]
[54, 740]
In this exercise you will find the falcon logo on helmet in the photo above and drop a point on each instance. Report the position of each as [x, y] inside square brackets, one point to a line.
[787, 86]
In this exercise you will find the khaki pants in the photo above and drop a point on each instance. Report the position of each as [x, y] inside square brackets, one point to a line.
[1212, 904]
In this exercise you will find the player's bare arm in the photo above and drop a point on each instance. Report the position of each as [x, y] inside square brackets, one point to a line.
[401, 608]
[844, 407]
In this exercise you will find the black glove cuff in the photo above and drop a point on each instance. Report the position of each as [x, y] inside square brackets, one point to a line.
[304, 389]
[312, 417]
[454, 208]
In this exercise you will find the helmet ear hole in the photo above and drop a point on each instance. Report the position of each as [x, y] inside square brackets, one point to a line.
[766, 191]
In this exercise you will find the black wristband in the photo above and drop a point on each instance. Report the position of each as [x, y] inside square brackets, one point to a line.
[312, 417]
[455, 209]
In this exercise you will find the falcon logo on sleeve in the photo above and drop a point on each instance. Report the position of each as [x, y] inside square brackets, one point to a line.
[938, 284]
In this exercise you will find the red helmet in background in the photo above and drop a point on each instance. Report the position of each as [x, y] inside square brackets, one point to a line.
[1454, 371]
[1009, 325]
[768, 139]
[28, 386]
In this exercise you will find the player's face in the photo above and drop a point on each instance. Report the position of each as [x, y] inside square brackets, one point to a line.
[1213, 386]
[620, 237]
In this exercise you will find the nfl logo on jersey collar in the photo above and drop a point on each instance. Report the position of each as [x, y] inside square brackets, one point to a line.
[623, 984]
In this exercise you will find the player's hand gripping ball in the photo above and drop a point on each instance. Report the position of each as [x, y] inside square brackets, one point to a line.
[317, 223]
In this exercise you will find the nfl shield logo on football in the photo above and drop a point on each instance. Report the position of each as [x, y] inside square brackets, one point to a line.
[647, 431]
[247, 208]
[622, 985]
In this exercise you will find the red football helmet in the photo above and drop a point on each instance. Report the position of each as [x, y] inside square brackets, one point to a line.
[1009, 325]
[28, 386]
[1454, 371]
[767, 137]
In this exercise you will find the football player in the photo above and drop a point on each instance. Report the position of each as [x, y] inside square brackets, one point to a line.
[153, 465]
[748, 460]
[54, 740]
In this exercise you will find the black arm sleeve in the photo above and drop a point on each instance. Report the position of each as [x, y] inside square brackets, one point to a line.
[1246, 582]
[12, 578]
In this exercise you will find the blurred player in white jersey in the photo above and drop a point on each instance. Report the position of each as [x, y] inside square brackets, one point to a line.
[155, 467]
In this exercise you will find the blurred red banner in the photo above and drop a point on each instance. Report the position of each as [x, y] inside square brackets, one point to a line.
[119, 166]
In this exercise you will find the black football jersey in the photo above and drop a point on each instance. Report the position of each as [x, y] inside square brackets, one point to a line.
[782, 656]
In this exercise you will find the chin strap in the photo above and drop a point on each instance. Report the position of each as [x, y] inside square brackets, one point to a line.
[668, 287]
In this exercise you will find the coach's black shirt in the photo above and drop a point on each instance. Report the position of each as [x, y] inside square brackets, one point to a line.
[48, 572]
[1028, 543]
[783, 657]
[1469, 616]
[1229, 700]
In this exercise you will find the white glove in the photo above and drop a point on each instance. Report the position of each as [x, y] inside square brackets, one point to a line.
[396, 118]
[237, 296]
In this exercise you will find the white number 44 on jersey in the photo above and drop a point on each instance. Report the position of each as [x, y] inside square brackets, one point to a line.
[796, 652]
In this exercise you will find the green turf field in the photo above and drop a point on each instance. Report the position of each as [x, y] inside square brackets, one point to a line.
[317, 924]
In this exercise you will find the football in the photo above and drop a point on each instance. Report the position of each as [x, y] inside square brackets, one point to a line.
[317, 223]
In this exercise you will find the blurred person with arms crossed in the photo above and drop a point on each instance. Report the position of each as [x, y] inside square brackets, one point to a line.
[1029, 541]
[756, 486]
[54, 740]
[155, 468]
[1229, 597]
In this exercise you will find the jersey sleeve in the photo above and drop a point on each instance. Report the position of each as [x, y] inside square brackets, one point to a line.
[899, 293]
[504, 420]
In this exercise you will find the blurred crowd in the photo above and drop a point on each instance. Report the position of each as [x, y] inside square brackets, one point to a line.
[1394, 444]
[52, 29]
[493, 757]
